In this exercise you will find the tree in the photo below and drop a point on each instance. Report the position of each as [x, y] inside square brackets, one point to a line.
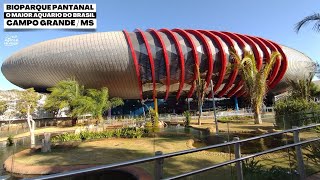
[314, 17]
[200, 84]
[64, 95]
[26, 105]
[255, 81]
[80, 101]
[98, 102]
[3, 107]
[304, 88]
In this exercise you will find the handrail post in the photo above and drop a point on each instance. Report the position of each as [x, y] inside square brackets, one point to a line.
[301, 168]
[158, 167]
[237, 153]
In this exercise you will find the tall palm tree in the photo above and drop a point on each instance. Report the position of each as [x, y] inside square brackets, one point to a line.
[314, 17]
[255, 81]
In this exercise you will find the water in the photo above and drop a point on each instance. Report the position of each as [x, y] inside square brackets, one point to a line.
[19, 145]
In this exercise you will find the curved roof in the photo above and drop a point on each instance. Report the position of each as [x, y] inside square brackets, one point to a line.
[146, 64]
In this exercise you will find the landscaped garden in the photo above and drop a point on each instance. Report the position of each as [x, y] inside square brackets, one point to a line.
[118, 145]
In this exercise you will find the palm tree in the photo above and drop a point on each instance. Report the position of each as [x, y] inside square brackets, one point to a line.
[304, 88]
[314, 17]
[80, 101]
[255, 81]
[100, 102]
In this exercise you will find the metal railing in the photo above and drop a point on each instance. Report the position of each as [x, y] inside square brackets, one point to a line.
[159, 158]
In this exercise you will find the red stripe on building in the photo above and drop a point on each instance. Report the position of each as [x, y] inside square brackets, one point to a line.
[242, 45]
[208, 52]
[283, 67]
[135, 62]
[254, 48]
[262, 46]
[154, 94]
[195, 56]
[223, 58]
[234, 73]
[178, 47]
[166, 60]
[276, 65]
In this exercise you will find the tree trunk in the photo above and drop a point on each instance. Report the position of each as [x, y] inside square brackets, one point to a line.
[31, 124]
[257, 116]
[200, 114]
[32, 139]
[74, 121]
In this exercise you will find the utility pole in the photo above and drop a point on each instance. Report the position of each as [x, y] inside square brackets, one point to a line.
[214, 108]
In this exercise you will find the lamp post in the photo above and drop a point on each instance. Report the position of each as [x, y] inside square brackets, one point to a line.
[214, 108]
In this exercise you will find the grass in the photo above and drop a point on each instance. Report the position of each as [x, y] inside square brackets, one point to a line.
[118, 150]
[115, 150]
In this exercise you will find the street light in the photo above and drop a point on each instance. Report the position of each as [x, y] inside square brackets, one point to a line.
[214, 108]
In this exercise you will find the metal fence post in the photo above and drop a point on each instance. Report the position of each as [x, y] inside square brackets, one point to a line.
[301, 168]
[237, 153]
[158, 167]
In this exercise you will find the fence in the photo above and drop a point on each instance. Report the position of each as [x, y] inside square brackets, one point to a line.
[160, 158]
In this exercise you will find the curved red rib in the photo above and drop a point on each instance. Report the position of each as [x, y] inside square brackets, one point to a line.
[178, 47]
[166, 60]
[283, 67]
[277, 64]
[208, 52]
[195, 56]
[151, 62]
[242, 45]
[223, 58]
[234, 73]
[135, 62]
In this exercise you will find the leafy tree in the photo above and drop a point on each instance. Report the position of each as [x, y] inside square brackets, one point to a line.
[255, 81]
[3, 107]
[64, 95]
[26, 106]
[314, 17]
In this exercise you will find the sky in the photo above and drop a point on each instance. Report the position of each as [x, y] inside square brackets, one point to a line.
[270, 19]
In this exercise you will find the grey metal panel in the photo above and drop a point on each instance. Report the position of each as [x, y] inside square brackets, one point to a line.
[96, 60]
[104, 59]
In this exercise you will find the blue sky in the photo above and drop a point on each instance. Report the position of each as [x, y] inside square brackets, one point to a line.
[271, 19]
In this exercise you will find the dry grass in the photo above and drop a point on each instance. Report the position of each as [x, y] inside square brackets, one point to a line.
[118, 150]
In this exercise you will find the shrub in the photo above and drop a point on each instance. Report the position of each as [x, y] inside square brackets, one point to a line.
[253, 170]
[66, 137]
[10, 141]
[117, 133]
[234, 119]
[314, 152]
[86, 135]
[295, 112]
[187, 115]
